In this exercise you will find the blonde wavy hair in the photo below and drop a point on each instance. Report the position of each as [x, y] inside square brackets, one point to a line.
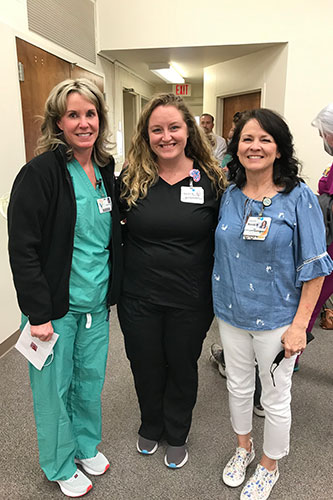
[55, 108]
[141, 172]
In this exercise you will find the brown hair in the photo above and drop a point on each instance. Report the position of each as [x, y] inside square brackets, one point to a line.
[142, 169]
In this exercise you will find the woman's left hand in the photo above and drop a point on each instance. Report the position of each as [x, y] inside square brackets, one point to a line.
[294, 340]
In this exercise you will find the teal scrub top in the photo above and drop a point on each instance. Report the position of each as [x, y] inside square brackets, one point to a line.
[89, 278]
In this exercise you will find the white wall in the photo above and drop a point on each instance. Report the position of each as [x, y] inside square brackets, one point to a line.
[309, 88]
[305, 25]
[188, 23]
[264, 70]
[13, 155]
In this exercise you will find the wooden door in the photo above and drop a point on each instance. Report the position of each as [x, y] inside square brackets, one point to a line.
[77, 72]
[42, 71]
[242, 102]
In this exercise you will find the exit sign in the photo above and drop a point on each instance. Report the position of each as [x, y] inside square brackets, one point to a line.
[183, 89]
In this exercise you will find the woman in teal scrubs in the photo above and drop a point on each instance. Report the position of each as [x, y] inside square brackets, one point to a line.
[65, 254]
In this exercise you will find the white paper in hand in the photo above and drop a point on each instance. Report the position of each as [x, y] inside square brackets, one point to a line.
[35, 350]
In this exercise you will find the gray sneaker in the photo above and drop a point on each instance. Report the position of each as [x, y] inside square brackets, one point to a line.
[146, 446]
[217, 358]
[258, 410]
[176, 456]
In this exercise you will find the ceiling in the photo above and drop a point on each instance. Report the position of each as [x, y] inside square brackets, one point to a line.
[189, 61]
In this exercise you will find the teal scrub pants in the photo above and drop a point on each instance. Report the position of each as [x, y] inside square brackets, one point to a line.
[67, 394]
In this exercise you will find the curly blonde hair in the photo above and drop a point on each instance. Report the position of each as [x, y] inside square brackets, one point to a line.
[141, 171]
[55, 108]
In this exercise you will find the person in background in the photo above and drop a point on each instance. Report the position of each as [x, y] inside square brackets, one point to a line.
[65, 254]
[216, 357]
[170, 194]
[235, 119]
[265, 286]
[218, 143]
[324, 123]
[227, 157]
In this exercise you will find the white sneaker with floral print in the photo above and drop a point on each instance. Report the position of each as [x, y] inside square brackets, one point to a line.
[235, 470]
[260, 485]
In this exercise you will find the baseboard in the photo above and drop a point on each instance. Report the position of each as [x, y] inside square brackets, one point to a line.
[7, 344]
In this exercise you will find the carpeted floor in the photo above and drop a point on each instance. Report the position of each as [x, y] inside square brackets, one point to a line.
[306, 473]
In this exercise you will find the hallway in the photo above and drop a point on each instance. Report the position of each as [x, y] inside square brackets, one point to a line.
[305, 474]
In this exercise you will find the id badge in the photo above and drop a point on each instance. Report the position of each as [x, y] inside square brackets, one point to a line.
[104, 205]
[189, 194]
[257, 228]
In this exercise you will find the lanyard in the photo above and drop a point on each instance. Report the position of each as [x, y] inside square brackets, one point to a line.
[266, 202]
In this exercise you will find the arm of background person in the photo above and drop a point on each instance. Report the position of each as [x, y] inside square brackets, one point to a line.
[221, 148]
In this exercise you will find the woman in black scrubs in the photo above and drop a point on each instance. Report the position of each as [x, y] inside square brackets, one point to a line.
[170, 192]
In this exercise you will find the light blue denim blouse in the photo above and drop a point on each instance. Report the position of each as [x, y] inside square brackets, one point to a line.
[257, 284]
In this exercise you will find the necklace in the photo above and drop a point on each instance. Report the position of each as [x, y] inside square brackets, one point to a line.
[267, 192]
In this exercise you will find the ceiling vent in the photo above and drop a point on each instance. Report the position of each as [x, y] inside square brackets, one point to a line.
[70, 24]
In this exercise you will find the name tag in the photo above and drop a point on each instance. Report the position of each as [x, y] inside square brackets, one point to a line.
[104, 205]
[257, 228]
[190, 194]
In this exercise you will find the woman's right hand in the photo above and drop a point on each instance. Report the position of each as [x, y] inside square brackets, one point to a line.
[44, 331]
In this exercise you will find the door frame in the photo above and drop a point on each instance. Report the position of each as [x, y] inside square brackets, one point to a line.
[136, 113]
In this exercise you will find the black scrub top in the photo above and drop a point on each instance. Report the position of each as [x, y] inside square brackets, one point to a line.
[169, 246]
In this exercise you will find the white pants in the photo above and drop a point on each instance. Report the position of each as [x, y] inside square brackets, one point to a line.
[241, 349]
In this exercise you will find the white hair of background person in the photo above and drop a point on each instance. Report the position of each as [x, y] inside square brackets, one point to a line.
[324, 123]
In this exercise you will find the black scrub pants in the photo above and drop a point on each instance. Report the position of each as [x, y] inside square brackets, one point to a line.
[163, 345]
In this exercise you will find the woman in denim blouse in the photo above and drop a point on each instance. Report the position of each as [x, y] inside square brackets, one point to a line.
[270, 263]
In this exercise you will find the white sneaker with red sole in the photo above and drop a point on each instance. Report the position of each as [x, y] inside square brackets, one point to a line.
[96, 466]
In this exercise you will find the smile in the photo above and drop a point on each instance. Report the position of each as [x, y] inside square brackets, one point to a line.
[87, 134]
[255, 157]
[167, 146]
